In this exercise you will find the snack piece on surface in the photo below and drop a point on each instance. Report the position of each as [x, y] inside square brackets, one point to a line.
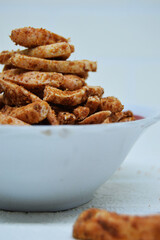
[33, 79]
[70, 98]
[39, 64]
[96, 118]
[8, 120]
[32, 37]
[72, 82]
[15, 94]
[31, 113]
[93, 103]
[112, 104]
[98, 224]
[5, 56]
[81, 113]
[66, 118]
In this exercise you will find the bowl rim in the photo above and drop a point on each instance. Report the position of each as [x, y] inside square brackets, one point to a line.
[153, 117]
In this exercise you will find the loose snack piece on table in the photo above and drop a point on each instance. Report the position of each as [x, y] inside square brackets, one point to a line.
[98, 224]
[41, 76]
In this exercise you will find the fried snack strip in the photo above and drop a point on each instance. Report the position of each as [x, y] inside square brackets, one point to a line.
[33, 37]
[70, 98]
[33, 79]
[93, 103]
[8, 120]
[1, 100]
[51, 117]
[98, 224]
[66, 118]
[38, 64]
[5, 56]
[72, 82]
[31, 113]
[16, 95]
[50, 51]
[96, 118]
[96, 91]
[112, 104]
[81, 113]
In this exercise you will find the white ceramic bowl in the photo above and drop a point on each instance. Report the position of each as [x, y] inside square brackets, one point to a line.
[49, 168]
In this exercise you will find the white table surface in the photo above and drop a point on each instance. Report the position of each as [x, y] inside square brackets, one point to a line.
[134, 189]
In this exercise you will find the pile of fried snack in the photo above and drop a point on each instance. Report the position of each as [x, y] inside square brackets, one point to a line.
[38, 85]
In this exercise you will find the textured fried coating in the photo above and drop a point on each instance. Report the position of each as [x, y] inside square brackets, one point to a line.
[96, 118]
[8, 120]
[1, 100]
[112, 104]
[32, 37]
[38, 64]
[70, 98]
[93, 103]
[31, 113]
[66, 118]
[8, 67]
[98, 224]
[81, 113]
[50, 51]
[126, 116]
[52, 118]
[72, 82]
[96, 91]
[5, 56]
[15, 94]
[33, 79]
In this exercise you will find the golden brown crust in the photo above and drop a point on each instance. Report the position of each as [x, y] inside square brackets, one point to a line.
[81, 113]
[93, 103]
[72, 82]
[112, 104]
[127, 119]
[38, 64]
[16, 95]
[96, 118]
[56, 50]
[66, 118]
[70, 98]
[125, 116]
[8, 120]
[5, 56]
[97, 224]
[33, 79]
[96, 91]
[31, 113]
[52, 118]
[32, 37]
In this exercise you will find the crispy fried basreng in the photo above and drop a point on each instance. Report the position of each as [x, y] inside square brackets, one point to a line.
[33, 79]
[127, 119]
[8, 120]
[96, 118]
[112, 104]
[15, 94]
[5, 56]
[93, 103]
[72, 82]
[96, 91]
[1, 100]
[52, 118]
[98, 224]
[70, 98]
[33, 37]
[38, 64]
[56, 50]
[66, 118]
[81, 113]
[31, 113]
